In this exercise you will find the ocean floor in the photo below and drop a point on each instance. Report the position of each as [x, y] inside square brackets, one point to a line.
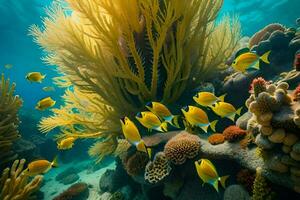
[52, 188]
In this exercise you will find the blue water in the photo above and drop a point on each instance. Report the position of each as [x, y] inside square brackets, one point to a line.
[18, 49]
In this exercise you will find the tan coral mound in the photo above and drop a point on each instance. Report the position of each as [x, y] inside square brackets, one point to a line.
[9, 106]
[181, 147]
[157, 169]
[15, 185]
[216, 138]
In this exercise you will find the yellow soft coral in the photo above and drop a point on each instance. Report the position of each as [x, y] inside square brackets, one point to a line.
[15, 185]
[122, 54]
[9, 106]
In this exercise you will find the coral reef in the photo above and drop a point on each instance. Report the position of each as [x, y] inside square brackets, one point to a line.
[233, 133]
[265, 33]
[261, 190]
[136, 163]
[216, 138]
[158, 169]
[246, 178]
[78, 191]
[9, 106]
[296, 93]
[120, 56]
[236, 192]
[181, 147]
[15, 185]
[121, 150]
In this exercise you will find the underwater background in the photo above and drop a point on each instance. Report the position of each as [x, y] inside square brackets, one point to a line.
[23, 55]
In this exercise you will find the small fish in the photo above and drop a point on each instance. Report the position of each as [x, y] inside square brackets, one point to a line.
[8, 66]
[48, 89]
[45, 103]
[208, 173]
[132, 135]
[197, 117]
[227, 110]
[35, 77]
[40, 167]
[66, 143]
[163, 113]
[249, 61]
[207, 99]
[151, 121]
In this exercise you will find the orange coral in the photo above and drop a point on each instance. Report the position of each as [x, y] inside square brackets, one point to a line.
[76, 191]
[233, 133]
[181, 147]
[265, 33]
[136, 163]
[296, 93]
[216, 138]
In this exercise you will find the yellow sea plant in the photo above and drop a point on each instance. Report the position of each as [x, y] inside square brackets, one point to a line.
[129, 52]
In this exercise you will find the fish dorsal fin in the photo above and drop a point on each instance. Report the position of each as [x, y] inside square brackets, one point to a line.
[242, 51]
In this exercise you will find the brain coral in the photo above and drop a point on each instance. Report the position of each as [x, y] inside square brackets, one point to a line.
[181, 147]
[233, 133]
[216, 138]
[157, 169]
[136, 163]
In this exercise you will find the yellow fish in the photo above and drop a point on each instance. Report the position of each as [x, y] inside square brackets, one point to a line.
[207, 99]
[40, 167]
[197, 117]
[132, 135]
[8, 66]
[66, 143]
[227, 110]
[35, 77]
[249, 61]
[48, 89]
[208, 173]
[163, 113]
[151, 121]
[45, 103]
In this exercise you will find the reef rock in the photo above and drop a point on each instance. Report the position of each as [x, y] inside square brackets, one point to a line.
[78, 191]
[236, 192]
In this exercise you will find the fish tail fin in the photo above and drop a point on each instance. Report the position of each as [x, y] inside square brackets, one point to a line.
[44, 76]
[223, 180]
[204, 128]
[149, 152]
[164, 127]
[231, 117]
[238, 111]
[265, 57]
[215, 184]
[55, 162]
[222, 98]
[213, 125]
[175, 121]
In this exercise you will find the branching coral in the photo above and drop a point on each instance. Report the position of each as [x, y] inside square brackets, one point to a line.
[128, 53]
[181, 147]
[234, 133]
[158, 169]
[216, 138]
[15, 185]
[9, 106]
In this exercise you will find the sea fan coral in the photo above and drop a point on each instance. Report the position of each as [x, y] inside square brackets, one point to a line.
[15, 185]
[157, 169]
[9, 106]
[234, 133]
[135, 164]
[258, 86]
[216, 138]
[181, 147]
[128, 53]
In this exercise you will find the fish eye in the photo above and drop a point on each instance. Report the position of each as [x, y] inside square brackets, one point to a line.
[139, 114]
